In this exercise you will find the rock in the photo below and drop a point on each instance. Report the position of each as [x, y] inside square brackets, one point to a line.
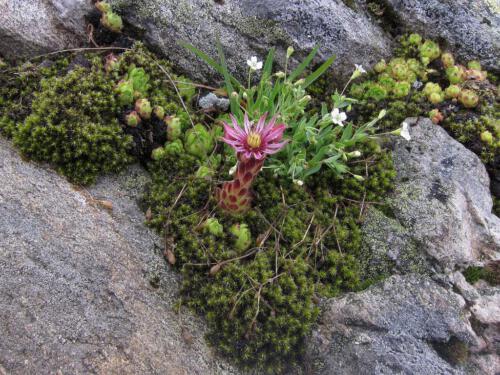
[29, 28]
[441, 206]
[405, 325]
[389, 247]
[250, 28]
[471, 29]
[84, 289]
[213, 102]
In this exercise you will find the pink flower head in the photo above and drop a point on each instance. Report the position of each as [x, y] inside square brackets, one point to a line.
[254, 140]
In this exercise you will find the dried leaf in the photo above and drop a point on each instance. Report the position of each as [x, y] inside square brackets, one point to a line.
[169, 254]
[216, 268]
[149, 214]
[108, 205]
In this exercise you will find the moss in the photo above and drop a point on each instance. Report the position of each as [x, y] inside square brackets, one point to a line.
[17, 87]
[69, 111]
[488, 273]
[305, 242]
[81, 141]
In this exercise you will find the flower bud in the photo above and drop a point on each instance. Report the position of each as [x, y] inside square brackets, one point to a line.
[358, 177]
[487, 137]
[143, 107]
[306, 99]
[354, 154]
[234, 94]
[468, 98]
[280, 74]
[382, 114]
[300, 82]
[289, 51]
[133, 119]
[298, 182]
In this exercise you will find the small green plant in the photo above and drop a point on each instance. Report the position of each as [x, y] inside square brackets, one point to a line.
[109, 19]
[314, 140]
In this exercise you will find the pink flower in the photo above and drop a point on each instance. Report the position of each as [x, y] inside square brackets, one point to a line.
[254, 140]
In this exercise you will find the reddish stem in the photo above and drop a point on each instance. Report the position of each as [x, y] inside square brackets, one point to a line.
[235, 196]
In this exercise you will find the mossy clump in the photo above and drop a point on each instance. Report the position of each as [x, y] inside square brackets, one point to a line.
[17, 87]
[78, 112]
[73, 126]
[256, 277]
[489, 273]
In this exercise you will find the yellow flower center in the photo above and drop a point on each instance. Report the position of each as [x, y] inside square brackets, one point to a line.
[254, 140]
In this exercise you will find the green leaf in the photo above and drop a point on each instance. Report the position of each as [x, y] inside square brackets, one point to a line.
[304, 64]
[347, 133]
[318, 72]
[209, 61]
[235, 105]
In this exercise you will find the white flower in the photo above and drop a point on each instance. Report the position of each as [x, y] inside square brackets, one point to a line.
[298, 182]
[405, 131]
[254, 64]
[338, 117]
[360, 68]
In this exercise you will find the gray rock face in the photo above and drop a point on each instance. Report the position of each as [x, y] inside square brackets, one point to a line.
[411, 324]
[28, 28]
[442, 206]
[82, 289]
[406, 325]
[246, 28]
[249, 27]
[471, 28]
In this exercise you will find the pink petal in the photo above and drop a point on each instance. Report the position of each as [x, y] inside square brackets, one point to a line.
[248, 124]
[275, 147]
[261, 123]
[230, 132]
[276, 133]
[258, 155]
